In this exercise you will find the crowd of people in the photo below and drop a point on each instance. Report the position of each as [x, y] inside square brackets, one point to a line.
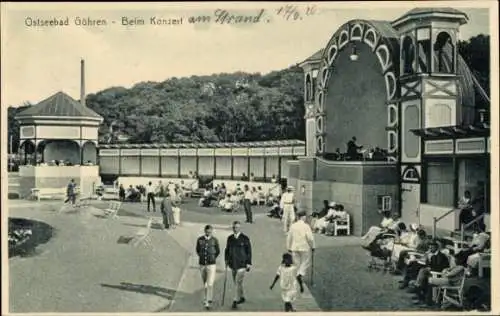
[424, 262]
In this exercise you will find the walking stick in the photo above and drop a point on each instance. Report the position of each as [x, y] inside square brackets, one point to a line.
[224, 288]
[312, 269]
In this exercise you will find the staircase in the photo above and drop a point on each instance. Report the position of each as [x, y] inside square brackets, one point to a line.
[14, 184]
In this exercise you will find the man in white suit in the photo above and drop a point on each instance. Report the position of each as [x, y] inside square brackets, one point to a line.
[300, 243]
[287, 204]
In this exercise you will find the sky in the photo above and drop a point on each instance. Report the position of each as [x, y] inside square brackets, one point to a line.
[40, 61]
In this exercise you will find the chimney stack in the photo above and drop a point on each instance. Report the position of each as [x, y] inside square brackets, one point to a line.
[82, 82]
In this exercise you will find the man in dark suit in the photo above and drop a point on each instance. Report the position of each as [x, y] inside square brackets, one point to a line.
[207, 249]
[436, 261]
[352, 149]
[238, 257]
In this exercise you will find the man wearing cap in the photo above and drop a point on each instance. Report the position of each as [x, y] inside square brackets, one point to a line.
[287, 204]
[207, 249]
[300, 242]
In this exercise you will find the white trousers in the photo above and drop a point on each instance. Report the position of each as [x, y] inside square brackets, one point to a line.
[176, 212]
[208, 279]
[238, 276]
[302, 259]
[288, 216]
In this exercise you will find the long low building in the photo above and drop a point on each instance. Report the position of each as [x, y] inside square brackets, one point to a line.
[263, 160]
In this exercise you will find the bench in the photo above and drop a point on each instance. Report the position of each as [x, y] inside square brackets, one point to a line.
[48, 193]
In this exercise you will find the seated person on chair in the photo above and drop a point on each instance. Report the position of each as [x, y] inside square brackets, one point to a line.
[419, 244]
[374, 231]
[321, 224]
[406, 241]
[474, 259]
[226, 204]
[479, 243]
[436, 261]
[275, 210]
[323, 211]
[133, 195]
[450, 276]
[338, 214]
[207, 198]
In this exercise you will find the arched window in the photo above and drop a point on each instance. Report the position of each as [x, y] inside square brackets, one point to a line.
[411, 174]
[444, 54]
[408, 56]
[308, 88]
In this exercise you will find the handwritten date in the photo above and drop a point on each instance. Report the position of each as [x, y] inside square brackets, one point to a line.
[292, 12]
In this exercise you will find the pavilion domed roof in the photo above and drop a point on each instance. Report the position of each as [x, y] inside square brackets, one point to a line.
[59, 105]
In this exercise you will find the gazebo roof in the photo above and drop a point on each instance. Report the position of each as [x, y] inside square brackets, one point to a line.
[59, 105]
[419, 12]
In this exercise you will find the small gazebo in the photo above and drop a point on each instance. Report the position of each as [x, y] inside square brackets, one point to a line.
[59, 140]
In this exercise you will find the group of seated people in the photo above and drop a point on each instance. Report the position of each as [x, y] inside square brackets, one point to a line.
[422, 260]
[229, 201]
[324, 221]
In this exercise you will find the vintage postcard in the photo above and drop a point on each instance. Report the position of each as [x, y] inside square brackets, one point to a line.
[234, 157]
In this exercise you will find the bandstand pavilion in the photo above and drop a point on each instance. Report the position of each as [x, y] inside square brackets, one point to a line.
[401, 86]
[60, 134]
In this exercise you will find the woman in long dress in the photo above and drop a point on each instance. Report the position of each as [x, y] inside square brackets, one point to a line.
[176, 210]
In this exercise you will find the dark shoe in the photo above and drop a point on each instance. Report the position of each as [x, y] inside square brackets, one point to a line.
[241, 301]
[235, 305]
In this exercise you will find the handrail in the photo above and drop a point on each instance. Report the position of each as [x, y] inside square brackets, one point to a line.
[437, 219]
[467, 225]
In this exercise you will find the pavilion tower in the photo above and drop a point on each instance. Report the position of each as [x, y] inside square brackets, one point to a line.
[430, 94]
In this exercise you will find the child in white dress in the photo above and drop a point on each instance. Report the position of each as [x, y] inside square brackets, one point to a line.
[289, 282]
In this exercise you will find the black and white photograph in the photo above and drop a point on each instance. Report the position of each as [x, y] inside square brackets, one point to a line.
[235, 157]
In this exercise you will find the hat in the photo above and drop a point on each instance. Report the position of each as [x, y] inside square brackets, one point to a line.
[332, 204]
[414, 227]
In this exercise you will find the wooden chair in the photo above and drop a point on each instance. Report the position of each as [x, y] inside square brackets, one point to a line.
[484, 263]
[143, 235]
[112, 210]
[83, 201]
[453, 294]
[342, 224]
